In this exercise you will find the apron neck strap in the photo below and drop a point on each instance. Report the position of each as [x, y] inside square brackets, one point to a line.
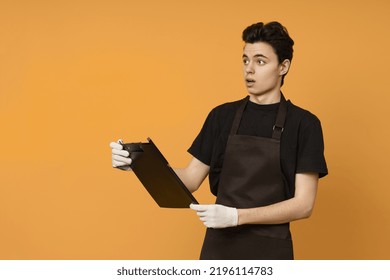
[280, 118]
[237, 117]
[279, 123]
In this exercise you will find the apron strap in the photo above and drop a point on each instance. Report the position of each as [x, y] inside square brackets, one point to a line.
[237, 117]
[280, 119]
[279, 123]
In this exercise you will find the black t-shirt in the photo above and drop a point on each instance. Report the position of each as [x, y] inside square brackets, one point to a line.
[302, 145]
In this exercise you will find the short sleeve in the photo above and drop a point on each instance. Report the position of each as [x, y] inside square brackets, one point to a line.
[203, 145]
[311, 149]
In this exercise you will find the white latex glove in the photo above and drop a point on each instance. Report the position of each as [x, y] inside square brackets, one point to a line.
[119, 156]
[216, 215]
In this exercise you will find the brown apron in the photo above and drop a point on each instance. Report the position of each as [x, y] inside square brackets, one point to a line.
[251, 176]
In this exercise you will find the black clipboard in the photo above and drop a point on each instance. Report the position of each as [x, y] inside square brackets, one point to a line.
[157, 176]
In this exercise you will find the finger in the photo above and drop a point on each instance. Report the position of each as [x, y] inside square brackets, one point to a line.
[199, 207]
[119, 158]
[120, 152]
[122, 167]
[203, 219]
[125, 160]
[119, 163]
[201, 214]
[207, 224]
[115, 145]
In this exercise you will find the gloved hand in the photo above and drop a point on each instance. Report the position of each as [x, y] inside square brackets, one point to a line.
[216, 215]
[120, 157]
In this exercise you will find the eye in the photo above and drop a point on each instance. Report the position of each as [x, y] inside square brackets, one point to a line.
[245, 61]
[261, 62]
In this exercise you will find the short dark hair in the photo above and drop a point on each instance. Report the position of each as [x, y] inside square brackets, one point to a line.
[275, 35]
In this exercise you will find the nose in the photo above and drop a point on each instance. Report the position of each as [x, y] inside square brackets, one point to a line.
[249, 69]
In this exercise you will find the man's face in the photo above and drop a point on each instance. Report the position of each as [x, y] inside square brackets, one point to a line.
[262, 71]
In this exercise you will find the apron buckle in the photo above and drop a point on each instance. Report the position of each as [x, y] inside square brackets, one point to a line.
[281, 128]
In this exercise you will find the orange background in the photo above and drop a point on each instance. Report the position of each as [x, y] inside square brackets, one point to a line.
[76, 75]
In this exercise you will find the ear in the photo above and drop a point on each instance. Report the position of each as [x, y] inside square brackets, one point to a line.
[284, 67]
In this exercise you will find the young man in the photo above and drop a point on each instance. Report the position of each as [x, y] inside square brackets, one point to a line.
[263, 155]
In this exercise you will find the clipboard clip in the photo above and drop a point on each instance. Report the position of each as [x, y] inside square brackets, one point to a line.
[135, 150]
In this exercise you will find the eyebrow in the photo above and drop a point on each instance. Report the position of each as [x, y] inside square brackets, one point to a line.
[255, 56]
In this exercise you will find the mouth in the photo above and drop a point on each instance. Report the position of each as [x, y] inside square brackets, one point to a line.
[249, 82]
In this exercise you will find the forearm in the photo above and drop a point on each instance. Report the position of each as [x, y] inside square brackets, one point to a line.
[193, 175]
[278, 213]
[298, 207]
[186, 178]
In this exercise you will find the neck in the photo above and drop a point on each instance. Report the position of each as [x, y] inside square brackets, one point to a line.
[266, 98]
